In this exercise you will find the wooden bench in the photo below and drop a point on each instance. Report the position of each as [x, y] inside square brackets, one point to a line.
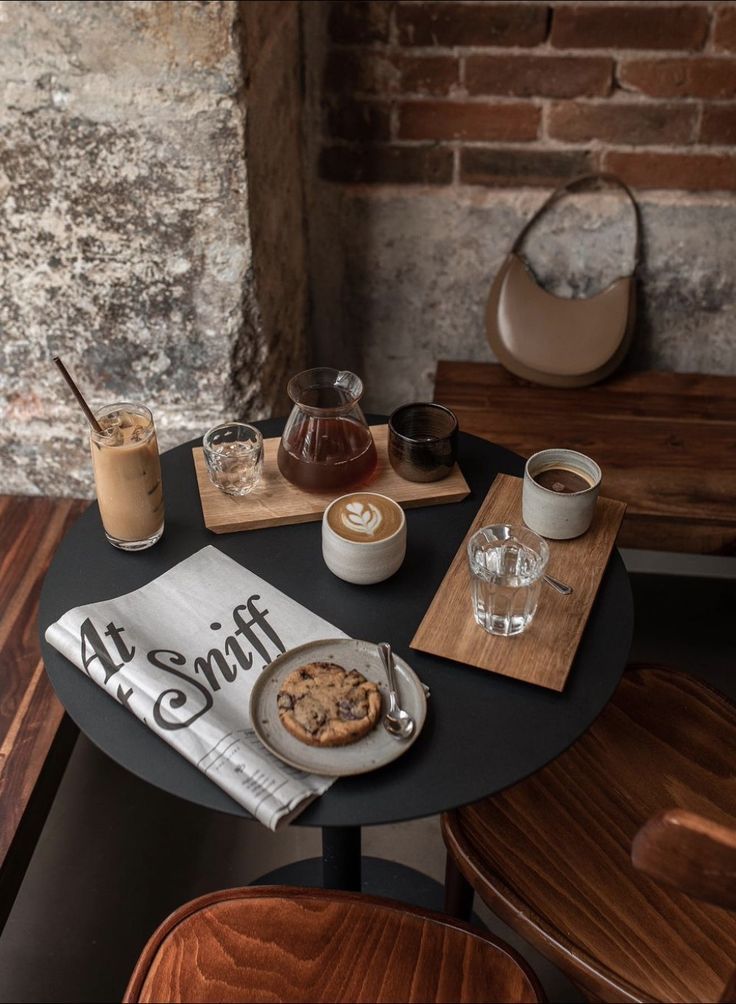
[36, 738]
[666, 443]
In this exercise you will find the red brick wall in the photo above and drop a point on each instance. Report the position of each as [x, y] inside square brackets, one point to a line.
[507, 94]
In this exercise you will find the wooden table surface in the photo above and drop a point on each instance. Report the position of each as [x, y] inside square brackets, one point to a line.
[666, 443]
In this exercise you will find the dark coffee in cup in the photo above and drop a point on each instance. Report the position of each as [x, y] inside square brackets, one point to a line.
[560, 492]
[564, 480]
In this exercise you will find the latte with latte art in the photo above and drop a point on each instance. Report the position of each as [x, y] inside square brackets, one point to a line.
[365, 517]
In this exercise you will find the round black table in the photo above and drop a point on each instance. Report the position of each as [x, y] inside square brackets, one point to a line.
[483, 732]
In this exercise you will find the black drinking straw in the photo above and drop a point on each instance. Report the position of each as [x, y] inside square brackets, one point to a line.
[78, 394]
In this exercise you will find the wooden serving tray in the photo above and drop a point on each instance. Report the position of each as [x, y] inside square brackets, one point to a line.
[276, 501]
[544, 653]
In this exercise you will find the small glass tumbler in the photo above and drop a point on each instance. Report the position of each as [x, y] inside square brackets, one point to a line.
[234, 456]
[506, 568]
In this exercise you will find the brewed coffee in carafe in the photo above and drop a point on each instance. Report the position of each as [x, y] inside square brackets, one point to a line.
[327, 445]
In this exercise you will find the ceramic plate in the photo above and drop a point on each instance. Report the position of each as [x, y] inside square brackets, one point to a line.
[370, 752]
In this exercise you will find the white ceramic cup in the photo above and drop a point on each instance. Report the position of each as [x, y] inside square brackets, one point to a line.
[558, 515]
[363, 562]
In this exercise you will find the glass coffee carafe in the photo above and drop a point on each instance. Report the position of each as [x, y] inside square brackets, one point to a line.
[327, 445]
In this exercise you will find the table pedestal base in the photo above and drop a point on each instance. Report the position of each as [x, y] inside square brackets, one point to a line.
[341, 858]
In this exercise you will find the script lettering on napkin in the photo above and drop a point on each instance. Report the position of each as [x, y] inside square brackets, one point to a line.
[251, 626]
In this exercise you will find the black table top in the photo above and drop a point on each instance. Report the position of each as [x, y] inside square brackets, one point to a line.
[483, 732]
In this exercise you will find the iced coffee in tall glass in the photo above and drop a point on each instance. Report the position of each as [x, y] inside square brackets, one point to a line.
[128, 476]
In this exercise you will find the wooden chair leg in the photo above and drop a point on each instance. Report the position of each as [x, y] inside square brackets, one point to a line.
[458, 891]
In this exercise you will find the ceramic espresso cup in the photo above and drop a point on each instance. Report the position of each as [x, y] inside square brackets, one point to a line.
[422, 441]
[363, 537]
[559, 494]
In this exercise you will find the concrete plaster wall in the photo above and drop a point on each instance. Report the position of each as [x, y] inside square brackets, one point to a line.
[409, 283]
[136, 239]
[400, 272]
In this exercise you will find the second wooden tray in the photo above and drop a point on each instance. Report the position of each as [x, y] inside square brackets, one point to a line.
[544, 653]
[275, 501]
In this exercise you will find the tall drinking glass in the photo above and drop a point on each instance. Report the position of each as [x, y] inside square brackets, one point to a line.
[127, 472]
[506, 568]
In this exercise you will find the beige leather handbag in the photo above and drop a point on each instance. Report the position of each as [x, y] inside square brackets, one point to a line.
[553, 340]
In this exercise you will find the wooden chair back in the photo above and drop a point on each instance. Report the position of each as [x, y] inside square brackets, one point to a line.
[693, 854]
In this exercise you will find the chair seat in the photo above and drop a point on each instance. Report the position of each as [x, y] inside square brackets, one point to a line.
[279, 944]
[551, 855]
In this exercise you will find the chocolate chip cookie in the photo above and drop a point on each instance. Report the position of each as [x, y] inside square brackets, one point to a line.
[322, 704]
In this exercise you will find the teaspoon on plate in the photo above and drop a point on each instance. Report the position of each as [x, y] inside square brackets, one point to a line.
[397, 722]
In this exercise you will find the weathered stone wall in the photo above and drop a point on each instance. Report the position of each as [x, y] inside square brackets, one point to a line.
[270, 33]
[135, 239]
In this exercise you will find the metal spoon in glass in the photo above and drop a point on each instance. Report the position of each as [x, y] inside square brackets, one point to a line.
[397, 722]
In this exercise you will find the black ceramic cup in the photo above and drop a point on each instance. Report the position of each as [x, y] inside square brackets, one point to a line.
[422, 441]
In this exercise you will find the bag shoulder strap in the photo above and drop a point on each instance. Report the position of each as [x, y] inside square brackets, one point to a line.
[581, 181]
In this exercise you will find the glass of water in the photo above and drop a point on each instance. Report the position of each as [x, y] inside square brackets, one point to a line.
[234, 456]
[506, 568]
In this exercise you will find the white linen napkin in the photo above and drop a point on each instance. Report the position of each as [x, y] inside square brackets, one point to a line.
[182, 653]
